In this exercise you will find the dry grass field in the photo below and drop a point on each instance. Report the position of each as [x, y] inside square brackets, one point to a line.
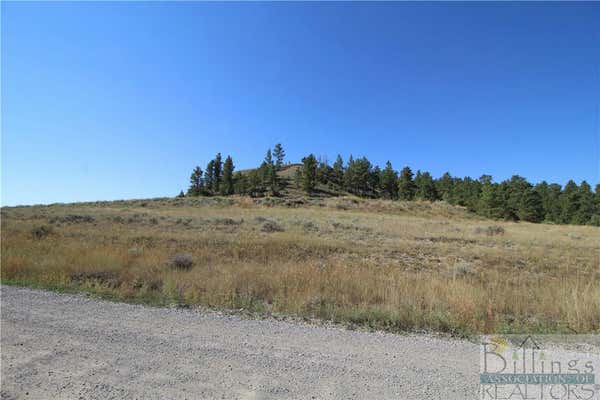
[380, 264]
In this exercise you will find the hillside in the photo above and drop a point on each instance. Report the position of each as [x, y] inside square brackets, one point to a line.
[289, 189]
[390, 265]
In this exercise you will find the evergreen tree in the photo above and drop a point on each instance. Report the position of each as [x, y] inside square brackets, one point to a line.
[550, 194]
[217, 173]
[337, 175]
[349, 175]
[359, 176]
[195, 188]
[269, 174]
[240, 183]
[542, 189]
[269, 158]
[406, 185]
[389, 182]
[517, 188]
[468, 192]
[595, 219]
[569, 203]
[425, 187]
[586, 204]
[209, 176]
[227, 183]
[323, 171]
[279, 155]
[445, 187]
[255, 187]
[181, 194]
[490, 203]
[532, 208]
[374, 178]
[485, 180]
[309, 173]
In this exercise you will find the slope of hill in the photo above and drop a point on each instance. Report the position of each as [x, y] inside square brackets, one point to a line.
[381, 264]
[288, 186]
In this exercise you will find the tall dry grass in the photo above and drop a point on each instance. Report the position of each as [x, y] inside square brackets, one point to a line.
[395, 266]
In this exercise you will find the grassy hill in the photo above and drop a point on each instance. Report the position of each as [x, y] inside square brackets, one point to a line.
[388, 265]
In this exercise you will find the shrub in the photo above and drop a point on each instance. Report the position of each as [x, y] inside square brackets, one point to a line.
[310, 227]
[40, 232]
[135, 251]
[106, 278]
[574, 236]
[463, 268]
[489, 230]
[271, 226]
[227, 221]
[595, 220]
[73, 219]
[181, 261]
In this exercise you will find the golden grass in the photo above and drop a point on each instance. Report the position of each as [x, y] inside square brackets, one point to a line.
[388, 265]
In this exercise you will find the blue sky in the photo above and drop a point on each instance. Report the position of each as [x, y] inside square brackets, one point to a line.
[120, 100]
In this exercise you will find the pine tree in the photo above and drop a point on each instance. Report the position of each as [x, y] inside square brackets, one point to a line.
[358, 178]
[195, 188]
[532, 208]
[255, 187]
[349, 175]
[490, 202]
[374, 178]
[323, 170]
[595, 219]
[279, 155]
[269, 158]
[406, 185]
[209, 176]
[269, 174]
[425, 187]
[445, 187]
[542, 189]
[309, 173]
[586, 204]
[569, 203]
[218, 171]
[362, 176]
[181, 194]
[468, 192]
[517, 187]
[227, 183]
[240, 183]
[389, 182]
[337, 175]
[550, 194]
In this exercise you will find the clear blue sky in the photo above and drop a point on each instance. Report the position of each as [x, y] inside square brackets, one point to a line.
[120, 100]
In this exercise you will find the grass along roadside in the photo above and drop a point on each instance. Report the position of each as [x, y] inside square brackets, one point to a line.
[384, 265]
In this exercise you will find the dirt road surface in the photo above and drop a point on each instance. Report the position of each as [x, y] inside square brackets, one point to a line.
[57, 346]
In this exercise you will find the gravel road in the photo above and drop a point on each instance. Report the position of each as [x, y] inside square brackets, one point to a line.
[57, 346]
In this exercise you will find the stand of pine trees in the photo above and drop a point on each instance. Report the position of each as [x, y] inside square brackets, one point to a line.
[513, 199]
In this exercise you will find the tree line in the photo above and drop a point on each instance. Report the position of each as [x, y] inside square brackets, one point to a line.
[219, 177]
[513, 199]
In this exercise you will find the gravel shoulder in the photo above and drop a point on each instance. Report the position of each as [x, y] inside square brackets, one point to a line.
[70, 347]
